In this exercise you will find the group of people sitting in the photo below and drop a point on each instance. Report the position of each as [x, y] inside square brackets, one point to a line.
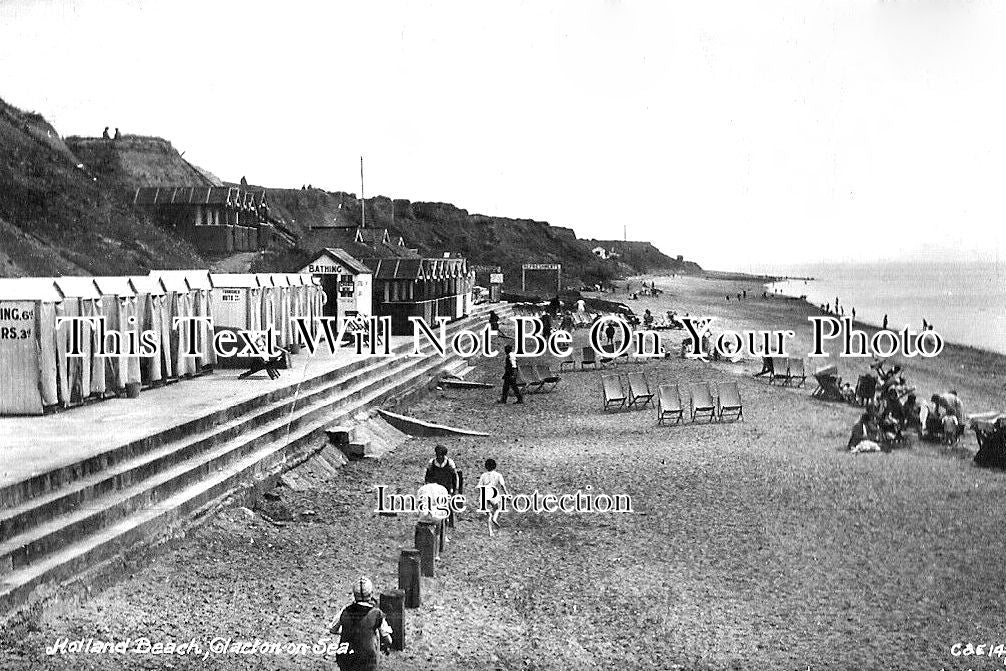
[895, 410]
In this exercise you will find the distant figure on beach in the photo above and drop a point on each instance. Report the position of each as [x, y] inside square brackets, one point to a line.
[362, 629]
[104, 134]
[647, 318]
[745, 292]
[492, 488]
[738, 296]
[950, 409]
[118, 135]
[728, 298]
[581, 306]
[546, 325]
[853, 314]
[609, 333]
[244, 182]
[885, 323]
[510, 376]
[494, 321]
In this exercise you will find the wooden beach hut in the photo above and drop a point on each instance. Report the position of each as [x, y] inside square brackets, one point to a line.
[28, 345]
[237, 301]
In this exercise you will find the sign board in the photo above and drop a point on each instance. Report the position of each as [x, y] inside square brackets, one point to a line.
[542, 266]
[325, 269]
[496, 278]
[19, 360]
[230, 296]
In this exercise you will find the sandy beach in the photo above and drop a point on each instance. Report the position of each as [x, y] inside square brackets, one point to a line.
[759, 544]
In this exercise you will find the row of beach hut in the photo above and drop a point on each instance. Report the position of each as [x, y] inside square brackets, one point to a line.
[38, 373]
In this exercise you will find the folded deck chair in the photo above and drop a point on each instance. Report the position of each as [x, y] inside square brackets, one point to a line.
[614, 395]
[702, 400]
[730, 400]
[797, 371]
[669, 404]
[546, 376]
[589, 358]
[639, 390]
[780, 370]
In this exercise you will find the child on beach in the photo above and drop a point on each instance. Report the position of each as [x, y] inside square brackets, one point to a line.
[491, 487]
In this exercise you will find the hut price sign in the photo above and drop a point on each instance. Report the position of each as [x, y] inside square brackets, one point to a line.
[557, 267]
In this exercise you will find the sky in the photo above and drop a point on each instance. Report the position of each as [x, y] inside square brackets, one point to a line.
[743, 135]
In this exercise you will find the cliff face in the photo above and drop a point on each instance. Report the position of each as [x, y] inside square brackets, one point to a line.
[643, 257]
[434, 228]
[66, 208]
[58, 217]
[135, 160]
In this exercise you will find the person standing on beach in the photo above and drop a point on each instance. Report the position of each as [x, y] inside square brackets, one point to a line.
[510, 376]
[491, 488]
[884, 327]
[442, 470]
[363, 631]
[853, 314]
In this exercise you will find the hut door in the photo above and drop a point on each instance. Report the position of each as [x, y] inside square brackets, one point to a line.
[330, 285]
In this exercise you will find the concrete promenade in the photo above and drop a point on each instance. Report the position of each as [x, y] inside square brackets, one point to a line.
[33, 445]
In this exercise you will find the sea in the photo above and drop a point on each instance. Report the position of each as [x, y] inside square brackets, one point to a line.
[965, 302]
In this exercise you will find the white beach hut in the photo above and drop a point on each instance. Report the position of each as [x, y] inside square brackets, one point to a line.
[152, 315]
[179, 303]
[119, 307]
[236, 301]
[84, 376]
[28, 345]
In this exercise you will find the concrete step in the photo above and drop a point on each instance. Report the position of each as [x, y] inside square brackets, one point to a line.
[92, 509]
[124, 464]
[66, 544]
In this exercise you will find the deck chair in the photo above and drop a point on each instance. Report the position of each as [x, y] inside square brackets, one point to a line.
[589, 358]
[639, 390]
[669, 404]
[797, 371]
[567, 361]
[866, 389]
[546, 376]
[829, 385]
[520, 378]
[614, 395]
[702, 400]
[730, 400]
[780, 370]
[532, 380]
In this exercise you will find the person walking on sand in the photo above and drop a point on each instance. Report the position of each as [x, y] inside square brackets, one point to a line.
[363, 631]
[442, 470]
[492, 489]
[884, 327]
[510, 376]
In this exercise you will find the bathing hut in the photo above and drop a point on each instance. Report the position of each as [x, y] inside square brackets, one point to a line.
[84, 375]
[28, 345]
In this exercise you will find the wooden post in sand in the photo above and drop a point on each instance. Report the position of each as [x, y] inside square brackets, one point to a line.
[408, 577]
[392, 604]
[426, 543]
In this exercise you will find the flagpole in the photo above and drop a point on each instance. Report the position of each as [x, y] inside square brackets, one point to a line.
[363, 197]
